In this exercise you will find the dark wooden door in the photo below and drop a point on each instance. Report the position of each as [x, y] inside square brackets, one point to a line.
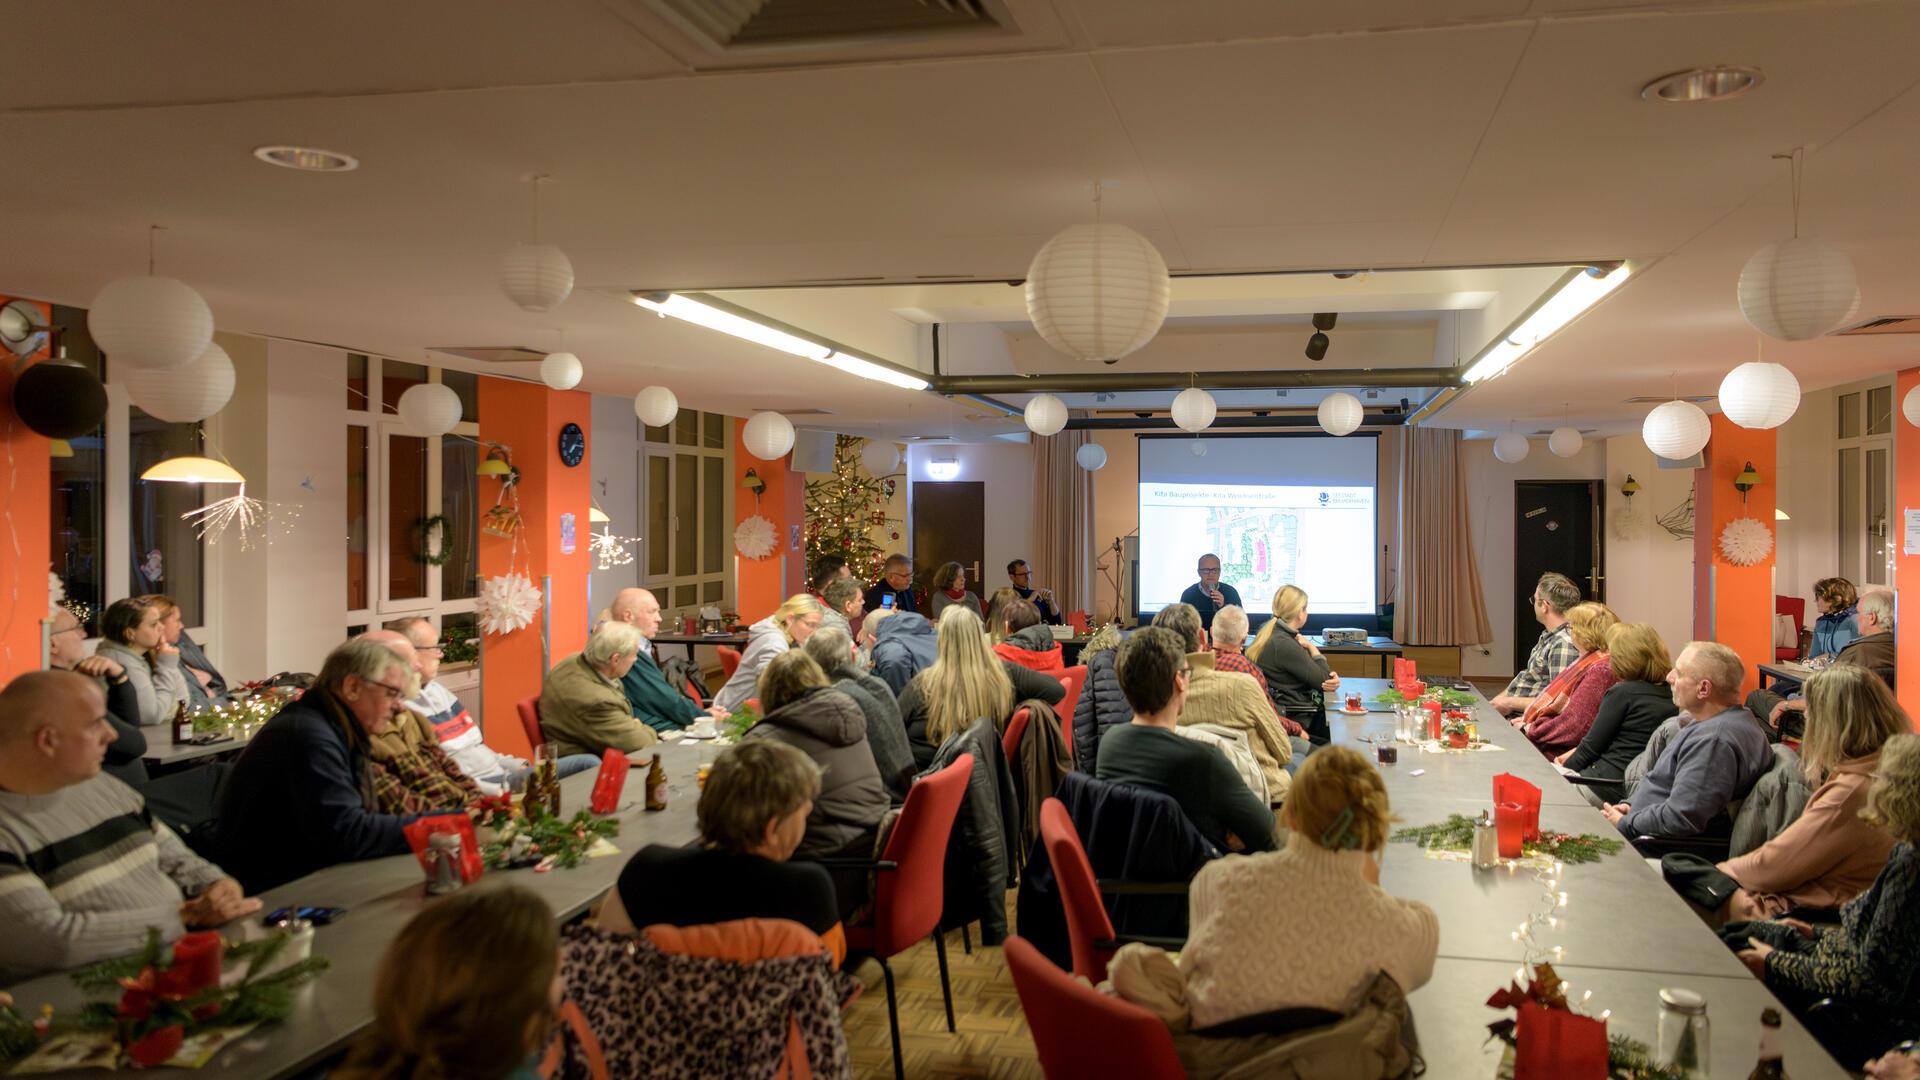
[1556, 527]
[949, 525]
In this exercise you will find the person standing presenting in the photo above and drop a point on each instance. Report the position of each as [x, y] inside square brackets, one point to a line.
[1210, 594]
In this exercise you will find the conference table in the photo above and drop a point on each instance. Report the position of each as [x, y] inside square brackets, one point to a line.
[1789, 670]
[1384, 648]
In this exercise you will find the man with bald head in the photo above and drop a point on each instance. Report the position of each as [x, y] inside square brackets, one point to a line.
[84, 869]
[654, 702]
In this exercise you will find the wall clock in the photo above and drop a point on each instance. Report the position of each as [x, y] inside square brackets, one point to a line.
[573, 445]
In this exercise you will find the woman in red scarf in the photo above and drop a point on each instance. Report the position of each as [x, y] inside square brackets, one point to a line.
[950, 588]
[1561, 715]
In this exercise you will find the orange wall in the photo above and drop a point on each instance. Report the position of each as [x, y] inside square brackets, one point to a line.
[1906, 569]
[25, 506]
[1733, 605]
[761, 585]
[527, 417]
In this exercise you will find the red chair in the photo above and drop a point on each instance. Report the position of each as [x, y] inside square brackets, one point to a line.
[530, 720]
[729, 659]
[1795, 606]
[1083, 1033]
[1016, 730]
[1075, 680]
[1088, 927]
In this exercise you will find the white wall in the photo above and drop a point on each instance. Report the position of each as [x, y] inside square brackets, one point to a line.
[616, 479]
[237, 630]
[306, 588]
[1809, 544]
[1007, 471]
[1649, 571]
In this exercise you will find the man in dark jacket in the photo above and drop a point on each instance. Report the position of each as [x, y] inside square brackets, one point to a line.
[1101, 704]
[655, 704]
[300, 798]
[903, 646]
[895, 587]
[1210, 594]
[1021, 577]
[886, 736]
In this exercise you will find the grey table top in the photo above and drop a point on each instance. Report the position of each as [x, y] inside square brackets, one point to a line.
[161, 751]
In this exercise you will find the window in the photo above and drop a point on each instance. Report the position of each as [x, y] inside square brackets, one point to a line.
[166, 550]
[79, 492]
[1864, 468]
[688, 504]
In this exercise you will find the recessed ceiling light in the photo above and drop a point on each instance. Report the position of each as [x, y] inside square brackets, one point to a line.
[306, 159]
[1716, 83]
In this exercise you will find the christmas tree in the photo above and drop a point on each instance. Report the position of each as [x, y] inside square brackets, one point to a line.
[845, 511]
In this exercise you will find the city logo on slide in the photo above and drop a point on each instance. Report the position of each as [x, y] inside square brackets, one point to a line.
[1323, 498]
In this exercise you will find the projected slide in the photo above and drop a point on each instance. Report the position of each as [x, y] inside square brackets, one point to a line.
[1319, 538]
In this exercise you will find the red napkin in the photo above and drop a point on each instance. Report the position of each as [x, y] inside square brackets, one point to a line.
[1554, 1044]
[1508, 788]
[612, 778]
[421, 828]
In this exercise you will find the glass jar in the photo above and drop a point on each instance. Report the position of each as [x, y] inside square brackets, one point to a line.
[1684, 1034]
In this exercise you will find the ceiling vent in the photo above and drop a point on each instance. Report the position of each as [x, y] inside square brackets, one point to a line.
[1885, 324]
[733, 25]
[1662, 399]
[492, 354]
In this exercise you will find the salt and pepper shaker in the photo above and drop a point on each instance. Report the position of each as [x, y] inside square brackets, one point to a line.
[443, 862]
[1486, 842]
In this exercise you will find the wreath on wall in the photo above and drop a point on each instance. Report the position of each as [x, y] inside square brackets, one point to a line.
[433, 540]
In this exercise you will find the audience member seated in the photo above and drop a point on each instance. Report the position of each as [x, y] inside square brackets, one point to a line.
[825, 570]
[410, 773]
[1872, 649]
[1872, 959]
[1209, 594]
[895, 588]
[841, 598]
[583, 706]
[1553, 596]
[1154, 677]
[1828, 855]
[1026, 641]
[1021, 575]
[206, 688]
[900, 645]
[1834, 598]
[886, 735]
[1564, 712]
[85, 871]
[444, 1008]
[1298, 677]
[1101, 706]
[67, 651]
[996, 616]
[1228, 699]
[1717, 755]
[785, 629]
[966, 682]
[950, 588]
[301, 798]
[1228, 632]
[1631, 710]
[130, 636]
[654, 702]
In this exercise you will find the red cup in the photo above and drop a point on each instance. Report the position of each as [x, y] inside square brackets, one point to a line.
[1433, 718]
[1510, 825]
[1354, 704]
[198, 956]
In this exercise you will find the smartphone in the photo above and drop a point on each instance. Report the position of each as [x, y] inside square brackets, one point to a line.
[318, 916]
[886, 601]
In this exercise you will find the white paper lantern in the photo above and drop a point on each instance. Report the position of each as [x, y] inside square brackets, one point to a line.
[1910, 406]
[1676, 430]
[430, 409]
[1197, 448]
[152, 323]
[184, 394]
[1759, 395]
[1091, 456]
[1798, 289]
[656, 406]
[1194, 409]
[1511, 448]
[1097, 292]
[1341, 413]
[1046, 415]
[880, 458]
[767, 436]
[1565, 442]
[561, 371]
[536, 276]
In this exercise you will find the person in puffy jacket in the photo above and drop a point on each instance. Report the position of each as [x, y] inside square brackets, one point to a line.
[1026, 641]
[901, 644]
[886, 735]
[786, 628]
[1101, 705]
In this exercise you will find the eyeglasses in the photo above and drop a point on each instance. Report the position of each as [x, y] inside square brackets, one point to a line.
[69, 630]
[395, 691]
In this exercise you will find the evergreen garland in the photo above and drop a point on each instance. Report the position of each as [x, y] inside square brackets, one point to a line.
[1456, 834]
[845, 509]
[564, 840]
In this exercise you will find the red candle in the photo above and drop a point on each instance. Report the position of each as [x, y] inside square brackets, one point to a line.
[1433, 718]
[198, 956]
[1510, 824]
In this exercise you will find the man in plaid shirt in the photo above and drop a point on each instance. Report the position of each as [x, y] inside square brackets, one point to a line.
[1553, 653]
[409, 772]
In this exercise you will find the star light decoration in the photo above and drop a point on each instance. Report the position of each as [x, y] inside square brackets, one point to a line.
[611, 550]
[242, 514]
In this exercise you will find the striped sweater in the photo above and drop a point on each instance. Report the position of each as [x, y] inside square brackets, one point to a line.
[84, 871]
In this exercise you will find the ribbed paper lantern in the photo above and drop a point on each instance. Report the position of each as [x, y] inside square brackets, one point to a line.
[767, 436]
[1565, 442]
[430, 409]
[1759, 395]
[880, 458]
[1511, 448]
[1798, 289]
[656, 406]
[1341, 414]
[1097, 292]
[561, 371]
[1676, 430]
[59, 399]
[1910, 406]
[1091, 456]
[536, 276]
[184, 394]
[1046, 415]
[150, 322]
[1194, 409]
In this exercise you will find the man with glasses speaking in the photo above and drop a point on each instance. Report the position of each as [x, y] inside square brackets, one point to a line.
[1210, 594]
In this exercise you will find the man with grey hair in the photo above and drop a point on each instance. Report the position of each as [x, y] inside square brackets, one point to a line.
[1553, 653]
[1714, 759]
[301, 796]
[583, 706]
[1873, 649]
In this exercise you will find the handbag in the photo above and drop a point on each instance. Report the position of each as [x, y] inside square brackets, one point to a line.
[1697, 880]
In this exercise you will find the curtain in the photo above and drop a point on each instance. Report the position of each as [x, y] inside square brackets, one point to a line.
[1437, 585]
[1063, 520]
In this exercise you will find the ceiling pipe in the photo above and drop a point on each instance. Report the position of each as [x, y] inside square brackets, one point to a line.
[1290, 420]
[1095, 381]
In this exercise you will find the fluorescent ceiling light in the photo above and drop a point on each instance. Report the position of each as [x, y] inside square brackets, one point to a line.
[867, 369]
[727, 322]
[194, 470]
[1574, 298]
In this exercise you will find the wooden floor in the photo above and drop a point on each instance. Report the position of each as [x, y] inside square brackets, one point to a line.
[990, 1036]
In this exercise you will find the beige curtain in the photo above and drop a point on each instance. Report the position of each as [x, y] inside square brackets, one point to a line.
[1438, 600]
[1063, 520]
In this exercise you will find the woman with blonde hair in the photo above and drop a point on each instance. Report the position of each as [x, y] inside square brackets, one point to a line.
[965, 683]
[1630, 711]
[996, 616]
[1564, 712]
[1828, 855]
[788, 627]
[1298, 677]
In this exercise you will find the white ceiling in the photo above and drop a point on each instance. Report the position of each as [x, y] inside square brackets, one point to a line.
[1242, 134]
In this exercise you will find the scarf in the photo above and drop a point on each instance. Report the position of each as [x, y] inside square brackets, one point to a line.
[955, 594]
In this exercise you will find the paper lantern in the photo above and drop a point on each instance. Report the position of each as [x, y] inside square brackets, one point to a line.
[561, 371]
[1091, 456]
[1676, 430]
[1341, 413]
[184, 394]
[1046, 415]
[150, 322]
[430, 409]
[1097, 292]
[1565, 442]
[1197, 448]
[1798, 289]
[59, 399]
[1910, 406]
[1759, 395]
[880, 458]
[656, 406]
[536, 276]
[1511, 448]
[1194, 409]
[767, 436]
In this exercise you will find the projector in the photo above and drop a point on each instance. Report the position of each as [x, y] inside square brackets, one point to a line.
[1344, 635]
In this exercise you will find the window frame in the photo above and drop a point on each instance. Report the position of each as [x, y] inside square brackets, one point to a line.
[1856, 552]
[665, 443]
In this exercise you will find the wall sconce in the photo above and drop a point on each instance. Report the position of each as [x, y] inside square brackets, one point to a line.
[1631, 487]
[752, 482]
[945, 468]
[498, 463]
[1746, 481]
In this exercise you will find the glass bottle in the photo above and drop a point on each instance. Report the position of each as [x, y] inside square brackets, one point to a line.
[1685, 1034]
[1772, 1065]
[656, 785]
[182, 725]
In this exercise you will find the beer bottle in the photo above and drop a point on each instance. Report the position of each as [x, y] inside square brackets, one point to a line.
[656, 784]
[182, 725]
[1770, 1066]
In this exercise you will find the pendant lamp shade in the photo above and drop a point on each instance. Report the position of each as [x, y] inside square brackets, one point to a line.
[430, 409]
[1910, 406]
[1511, 448]
[1046, 415]
[1341, 414]
[1194, 409]
[656, 406]
[59, 399]
[1091, 456]
[1676, 430]
[767, 436]
[150, 322]
[1798, 289]
[184, 394]
[536, 276]
[1097, 292]
[1759, 395]
[880, 458]
[193, 469]
[561, 371]
[1565, 442]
